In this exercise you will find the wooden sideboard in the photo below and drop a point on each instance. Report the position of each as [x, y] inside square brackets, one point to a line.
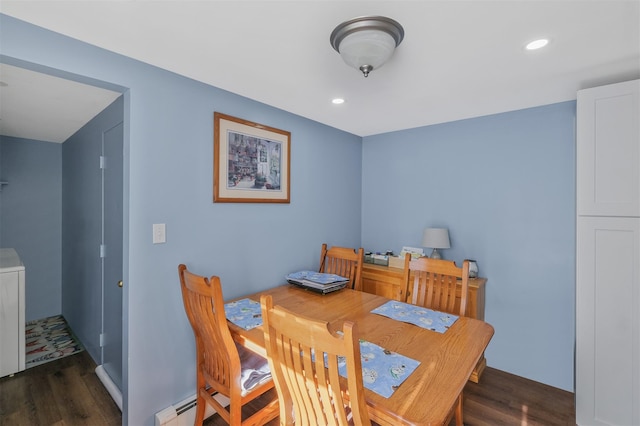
[387, 282]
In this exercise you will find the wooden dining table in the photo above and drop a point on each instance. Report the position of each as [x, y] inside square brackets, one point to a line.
[446, 359]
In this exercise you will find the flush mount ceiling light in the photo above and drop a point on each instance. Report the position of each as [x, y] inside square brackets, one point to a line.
[537, 44]
[367, 42]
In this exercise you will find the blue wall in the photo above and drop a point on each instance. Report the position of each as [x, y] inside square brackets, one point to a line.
[504, 185]
[31, 218]
[168, 179]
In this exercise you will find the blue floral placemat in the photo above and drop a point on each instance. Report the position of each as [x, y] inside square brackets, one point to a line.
[383, 371]
[416, 315]
[244, 313]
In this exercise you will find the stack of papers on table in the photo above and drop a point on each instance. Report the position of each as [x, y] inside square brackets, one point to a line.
[317, 281]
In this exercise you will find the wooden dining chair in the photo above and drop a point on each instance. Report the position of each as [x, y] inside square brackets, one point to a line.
[223, 366]
[343, 261]
[304, 357]
[435, 286]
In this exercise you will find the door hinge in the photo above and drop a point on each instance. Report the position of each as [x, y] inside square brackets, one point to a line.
[103, 251]
[102, 338]
[103, 161]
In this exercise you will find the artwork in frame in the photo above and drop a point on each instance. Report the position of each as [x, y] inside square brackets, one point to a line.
[251, 162]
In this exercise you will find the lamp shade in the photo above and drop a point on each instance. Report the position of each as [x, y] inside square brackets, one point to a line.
[437, 238]
[366, 43]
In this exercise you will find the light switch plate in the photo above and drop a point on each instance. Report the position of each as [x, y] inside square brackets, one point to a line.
[159, 233]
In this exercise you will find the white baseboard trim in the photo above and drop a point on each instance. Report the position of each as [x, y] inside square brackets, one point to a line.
[111, 387]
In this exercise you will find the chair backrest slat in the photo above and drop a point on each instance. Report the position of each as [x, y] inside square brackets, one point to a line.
[435, 284]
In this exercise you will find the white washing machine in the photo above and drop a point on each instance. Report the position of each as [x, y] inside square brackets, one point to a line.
[12, 338]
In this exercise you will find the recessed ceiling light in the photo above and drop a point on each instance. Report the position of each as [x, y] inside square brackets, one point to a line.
[337, 101]
[537, 44]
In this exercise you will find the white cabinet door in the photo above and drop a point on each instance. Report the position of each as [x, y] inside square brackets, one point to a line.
[608, 150]
[11, 316]
[608, 321]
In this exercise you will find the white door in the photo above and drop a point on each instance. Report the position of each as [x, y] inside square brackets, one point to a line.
[112, 258]
[608, 321]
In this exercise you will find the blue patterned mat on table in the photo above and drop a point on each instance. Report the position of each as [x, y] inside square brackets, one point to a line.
[244, 313]
[416, 315]
[383, 371]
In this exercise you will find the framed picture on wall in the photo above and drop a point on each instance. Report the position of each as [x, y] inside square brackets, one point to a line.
[251, 162]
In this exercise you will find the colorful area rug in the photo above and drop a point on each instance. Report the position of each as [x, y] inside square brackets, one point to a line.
[49, 339]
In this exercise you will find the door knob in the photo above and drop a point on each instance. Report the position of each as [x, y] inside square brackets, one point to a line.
[120, 283]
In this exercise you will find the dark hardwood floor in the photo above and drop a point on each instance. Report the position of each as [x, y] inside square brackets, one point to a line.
[67, 393]
[504, 399]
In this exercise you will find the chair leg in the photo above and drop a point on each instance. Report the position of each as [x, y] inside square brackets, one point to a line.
[201, 404]
[235, 414]
[459, 420]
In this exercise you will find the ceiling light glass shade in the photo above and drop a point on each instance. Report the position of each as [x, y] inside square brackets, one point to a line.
[367, 48]
[368, 42]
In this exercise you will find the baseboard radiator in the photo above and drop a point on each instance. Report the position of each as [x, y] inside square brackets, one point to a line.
[184, 413]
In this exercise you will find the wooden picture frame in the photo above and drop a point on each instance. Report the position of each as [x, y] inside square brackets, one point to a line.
[251, 162]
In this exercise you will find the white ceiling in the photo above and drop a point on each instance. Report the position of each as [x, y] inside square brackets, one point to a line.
[45, 108]
[459, 59]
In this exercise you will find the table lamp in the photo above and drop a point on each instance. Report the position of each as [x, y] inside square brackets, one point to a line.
[436, 238]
